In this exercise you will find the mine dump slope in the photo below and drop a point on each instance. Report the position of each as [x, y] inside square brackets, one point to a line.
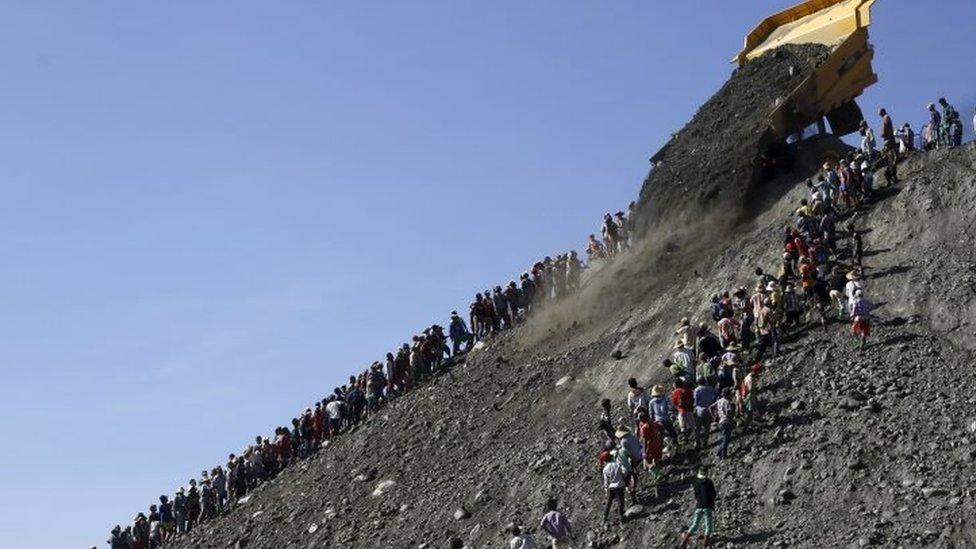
[851, 448]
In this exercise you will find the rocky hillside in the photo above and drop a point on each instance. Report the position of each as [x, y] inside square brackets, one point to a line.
[850, 448]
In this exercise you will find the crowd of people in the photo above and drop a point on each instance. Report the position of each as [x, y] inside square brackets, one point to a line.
[428, 354]
[714, 366]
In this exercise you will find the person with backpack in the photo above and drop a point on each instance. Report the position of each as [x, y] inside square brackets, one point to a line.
[556, 524]
[951, 128]
[702, 519]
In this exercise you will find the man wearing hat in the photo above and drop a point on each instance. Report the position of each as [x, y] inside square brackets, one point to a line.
[629, 454]
[703, 516]
[854, 283]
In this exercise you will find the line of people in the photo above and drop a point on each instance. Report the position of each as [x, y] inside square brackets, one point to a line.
[426, 356]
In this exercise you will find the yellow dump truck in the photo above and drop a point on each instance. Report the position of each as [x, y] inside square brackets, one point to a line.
[830, 91]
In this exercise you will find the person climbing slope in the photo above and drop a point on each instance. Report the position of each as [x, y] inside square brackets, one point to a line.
[702, 519]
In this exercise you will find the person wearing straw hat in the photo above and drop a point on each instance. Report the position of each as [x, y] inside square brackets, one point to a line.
[702, 518]
[854, 283]
[630, 455]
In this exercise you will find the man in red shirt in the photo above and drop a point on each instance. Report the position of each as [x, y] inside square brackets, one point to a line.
[651, 435]
[683, 400]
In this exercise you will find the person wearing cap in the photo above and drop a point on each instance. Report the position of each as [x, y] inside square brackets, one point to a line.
[614, 484]
[861, 317]
[556, 524]
[702, 518]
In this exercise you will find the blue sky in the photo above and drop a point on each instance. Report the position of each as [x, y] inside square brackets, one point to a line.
[214, 211]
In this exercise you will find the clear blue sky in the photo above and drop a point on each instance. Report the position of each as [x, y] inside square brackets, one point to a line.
[212, 212]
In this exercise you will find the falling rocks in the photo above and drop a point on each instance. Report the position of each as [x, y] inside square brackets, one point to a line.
[934, 492]
[461, 513]
[565, 380]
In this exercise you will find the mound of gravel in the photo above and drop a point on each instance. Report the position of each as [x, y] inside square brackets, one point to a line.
[710, 165]
[849, 449]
